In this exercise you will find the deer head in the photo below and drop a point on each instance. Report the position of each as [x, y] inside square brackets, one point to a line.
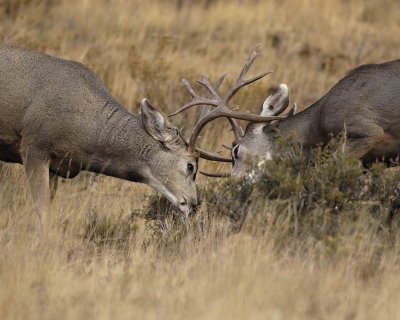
[171, 168]
[257, 143]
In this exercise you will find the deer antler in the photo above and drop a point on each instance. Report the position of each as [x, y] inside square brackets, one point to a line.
[216, 175]
[237, 130]
[213, 91]
[220, 105]
[212, 156]
[196, 101]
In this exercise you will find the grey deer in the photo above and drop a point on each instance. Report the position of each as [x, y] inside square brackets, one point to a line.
[58, 118]
[365, 105]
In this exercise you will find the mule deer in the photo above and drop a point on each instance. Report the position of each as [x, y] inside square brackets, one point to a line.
[364, 105]
[58, 118]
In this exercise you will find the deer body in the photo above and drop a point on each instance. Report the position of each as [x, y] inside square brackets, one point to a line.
[58, 117]
[365, 104]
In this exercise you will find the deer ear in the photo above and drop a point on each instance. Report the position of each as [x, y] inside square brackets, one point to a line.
[154, 123]
[276, 102]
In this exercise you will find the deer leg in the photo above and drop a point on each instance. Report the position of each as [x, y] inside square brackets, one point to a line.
[53, 178]
[357, 148]
[394, 205]
[37, 172]
[359, 143]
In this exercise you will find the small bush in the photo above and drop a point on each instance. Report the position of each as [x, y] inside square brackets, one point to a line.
[318, 188]
[105, 230]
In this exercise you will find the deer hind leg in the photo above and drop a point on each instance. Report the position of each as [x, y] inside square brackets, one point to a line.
[53, 185]
[361, 140]
[37, 172]
[357, 148]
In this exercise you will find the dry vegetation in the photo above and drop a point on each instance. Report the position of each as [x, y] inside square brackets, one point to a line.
[316, 243]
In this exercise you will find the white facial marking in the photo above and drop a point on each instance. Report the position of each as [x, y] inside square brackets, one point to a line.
[267, 157]
[258, 129]
[260, 163]
[157, 185]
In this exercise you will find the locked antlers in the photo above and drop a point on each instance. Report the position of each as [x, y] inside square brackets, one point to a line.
[220, 105]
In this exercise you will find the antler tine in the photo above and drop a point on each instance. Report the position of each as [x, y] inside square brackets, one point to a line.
[218, 83]
[189, 88]
[254, 53]
[216, 175]
[249, 116]
[220, 80]
[213, 91]
[206, 83]
[237, 130]
[212, 156]
[196, 101]
[240, 82]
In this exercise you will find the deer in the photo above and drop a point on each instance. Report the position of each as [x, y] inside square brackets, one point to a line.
[58, 119]
[363, 105]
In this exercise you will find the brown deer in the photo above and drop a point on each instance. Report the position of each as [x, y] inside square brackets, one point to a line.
[57, 118]
[364, 105]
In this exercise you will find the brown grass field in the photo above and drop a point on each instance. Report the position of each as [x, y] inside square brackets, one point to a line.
[103, 259]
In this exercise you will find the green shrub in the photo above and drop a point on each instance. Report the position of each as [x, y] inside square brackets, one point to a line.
[316, 187]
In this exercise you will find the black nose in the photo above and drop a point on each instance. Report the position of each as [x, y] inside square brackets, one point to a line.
[183, 203]
[193, 208]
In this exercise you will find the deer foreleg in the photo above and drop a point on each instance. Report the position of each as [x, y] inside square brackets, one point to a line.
[37, 172]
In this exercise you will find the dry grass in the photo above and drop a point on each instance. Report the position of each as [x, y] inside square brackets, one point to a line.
[102, 258]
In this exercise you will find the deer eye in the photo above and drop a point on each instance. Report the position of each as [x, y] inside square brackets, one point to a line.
[190, 168]
[235, 152]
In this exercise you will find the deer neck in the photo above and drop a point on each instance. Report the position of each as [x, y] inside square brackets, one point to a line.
[304, 126]
[122, 146]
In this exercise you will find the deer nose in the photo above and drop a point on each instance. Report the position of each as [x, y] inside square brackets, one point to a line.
[184, 208]
[188, 208]
[194, 206]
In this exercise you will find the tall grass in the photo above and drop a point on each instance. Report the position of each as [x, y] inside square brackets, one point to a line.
[314, 240]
